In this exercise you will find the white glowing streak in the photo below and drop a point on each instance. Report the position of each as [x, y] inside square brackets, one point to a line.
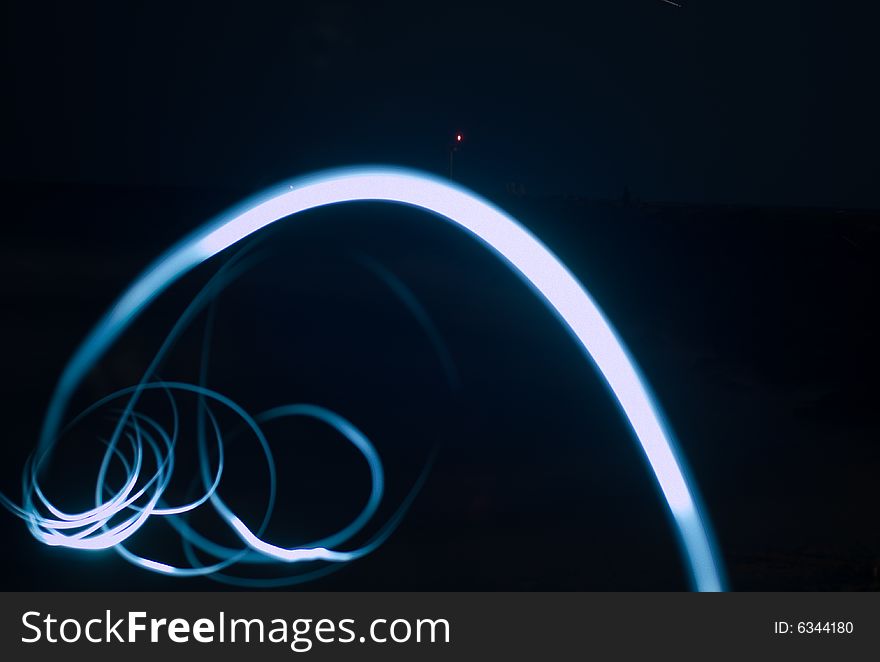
[500, 232]
[283, 553]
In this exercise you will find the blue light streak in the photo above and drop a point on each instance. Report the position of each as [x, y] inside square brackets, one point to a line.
[118, 515]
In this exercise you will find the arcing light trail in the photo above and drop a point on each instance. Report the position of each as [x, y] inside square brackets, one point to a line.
[120, 514]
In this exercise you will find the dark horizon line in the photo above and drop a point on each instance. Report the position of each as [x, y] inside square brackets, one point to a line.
[635, 201]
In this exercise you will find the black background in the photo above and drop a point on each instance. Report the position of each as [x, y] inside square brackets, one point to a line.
[708, 173]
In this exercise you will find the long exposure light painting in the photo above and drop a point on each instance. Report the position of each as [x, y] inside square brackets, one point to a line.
[123, 510]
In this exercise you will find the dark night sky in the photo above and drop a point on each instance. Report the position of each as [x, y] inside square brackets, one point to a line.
[743, 102]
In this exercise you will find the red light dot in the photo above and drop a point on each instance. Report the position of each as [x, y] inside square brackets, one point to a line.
[458, 137]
